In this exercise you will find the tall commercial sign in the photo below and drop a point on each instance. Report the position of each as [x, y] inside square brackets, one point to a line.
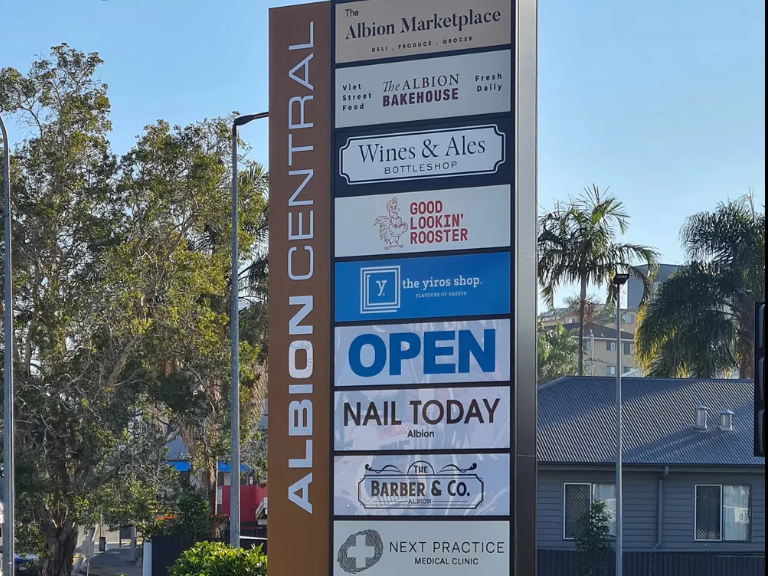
[760, 381]
[421, 246]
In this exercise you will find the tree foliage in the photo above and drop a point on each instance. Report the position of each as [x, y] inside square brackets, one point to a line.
[701, 321]
[579, 243]
[121, 282]
[557, 353]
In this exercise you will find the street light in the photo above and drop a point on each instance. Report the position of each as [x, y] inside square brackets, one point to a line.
[234, 484]
[9, 466]
[619, 280]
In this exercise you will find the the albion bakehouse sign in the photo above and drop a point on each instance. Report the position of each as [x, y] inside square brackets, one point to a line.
[379, 29]
[447, 87]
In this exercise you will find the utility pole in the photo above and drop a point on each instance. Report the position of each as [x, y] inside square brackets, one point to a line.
[234, 484]
[619, 281]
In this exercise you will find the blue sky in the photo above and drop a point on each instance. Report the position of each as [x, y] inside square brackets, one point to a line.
[663, 101]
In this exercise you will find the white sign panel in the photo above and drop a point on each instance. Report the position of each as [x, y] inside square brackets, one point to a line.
[406, 156]
[424, 419]
[430, 353]
[471, 548]
[435, 485]
[461, 219]
[396, 28]
[462, 85]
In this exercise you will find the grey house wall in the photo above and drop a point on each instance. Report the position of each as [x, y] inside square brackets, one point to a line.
[641, 492]
[679, 511]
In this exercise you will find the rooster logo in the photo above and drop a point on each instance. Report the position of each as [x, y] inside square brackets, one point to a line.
[391, 226]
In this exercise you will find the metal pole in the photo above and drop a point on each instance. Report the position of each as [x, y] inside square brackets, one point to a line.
[619, 439]
[234, 484]
[9, 466]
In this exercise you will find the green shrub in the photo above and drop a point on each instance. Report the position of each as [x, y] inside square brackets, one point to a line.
[216, 559]
[593, 540]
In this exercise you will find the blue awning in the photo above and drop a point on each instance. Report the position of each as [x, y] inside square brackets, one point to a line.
[179, 465]
[225, 467]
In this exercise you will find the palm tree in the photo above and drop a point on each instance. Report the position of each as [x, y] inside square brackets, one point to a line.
[701, 321]
[578, 243]
[556, 353]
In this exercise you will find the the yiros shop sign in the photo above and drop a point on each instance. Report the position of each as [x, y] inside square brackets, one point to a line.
[460, 219]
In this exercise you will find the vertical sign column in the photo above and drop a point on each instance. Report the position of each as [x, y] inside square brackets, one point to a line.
[299, 300]
[760, 380]
[425, 290]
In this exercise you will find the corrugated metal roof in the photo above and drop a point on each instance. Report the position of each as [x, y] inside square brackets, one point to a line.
[576, 422]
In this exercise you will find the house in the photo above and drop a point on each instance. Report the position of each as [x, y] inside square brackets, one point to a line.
[691, 482]
[600, 349]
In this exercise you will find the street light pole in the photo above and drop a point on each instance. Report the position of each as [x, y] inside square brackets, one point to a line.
[619, 281]
[9, 466]
[234, 485]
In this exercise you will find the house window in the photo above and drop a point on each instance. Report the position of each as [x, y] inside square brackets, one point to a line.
[588, 344]
[577, 500]
[722, 513]
[629, 349]
[628, 369]
[610, 370]
[610, 346]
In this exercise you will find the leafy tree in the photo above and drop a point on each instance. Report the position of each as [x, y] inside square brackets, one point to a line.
[593, 540]
[578, 243]
[121, 275]
[557, 352]
[701, 321]
[185, 512]
[254, 455]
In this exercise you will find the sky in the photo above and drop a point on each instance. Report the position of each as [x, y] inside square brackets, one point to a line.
[662, 102]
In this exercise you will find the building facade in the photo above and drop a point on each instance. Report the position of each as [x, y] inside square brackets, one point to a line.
[691, 484]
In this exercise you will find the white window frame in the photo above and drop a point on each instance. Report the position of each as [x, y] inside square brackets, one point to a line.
[591, 499]
[610, 346]
[722, 506]
[631, 348]
[610, 370]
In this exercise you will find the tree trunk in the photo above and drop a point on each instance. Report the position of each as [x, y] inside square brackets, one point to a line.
[582, 309]
[62, 543]
[211, 488]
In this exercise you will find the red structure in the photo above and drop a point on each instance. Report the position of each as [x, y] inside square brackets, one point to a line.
[250, 498]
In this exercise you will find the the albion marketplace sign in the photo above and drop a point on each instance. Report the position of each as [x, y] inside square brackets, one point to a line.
[402, 301]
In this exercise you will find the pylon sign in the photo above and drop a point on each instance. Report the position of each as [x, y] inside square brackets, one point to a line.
[760, 381]
[403, 288]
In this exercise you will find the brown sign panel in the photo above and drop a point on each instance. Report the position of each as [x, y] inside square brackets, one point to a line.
[299, 298]
[376, 29]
